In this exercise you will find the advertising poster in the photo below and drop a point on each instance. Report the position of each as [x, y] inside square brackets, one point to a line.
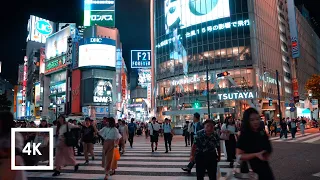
[75, 90]
[99, 12]
[295, 47]
[37, 94]
[42, 61]
[97, 52]
[102, 92]
[144, 77]
[57, 43]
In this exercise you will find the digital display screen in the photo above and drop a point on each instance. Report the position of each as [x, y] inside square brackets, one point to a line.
[184, 13]
[99, 12]
[97, 55]
[57, 43]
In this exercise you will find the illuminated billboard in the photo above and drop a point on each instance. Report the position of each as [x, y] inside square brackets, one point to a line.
[97, 52]
[42, 60]
[102, 92]
[144, 77]
[184, 13]
[39, 29]
[99, 12]
[37, 94]
[140, 58]
[57, 44]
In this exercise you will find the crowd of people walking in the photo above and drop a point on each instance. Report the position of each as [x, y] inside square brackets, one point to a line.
[245, 140]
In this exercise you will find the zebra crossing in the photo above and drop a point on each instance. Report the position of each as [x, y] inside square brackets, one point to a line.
[310, 138]
[137, 163]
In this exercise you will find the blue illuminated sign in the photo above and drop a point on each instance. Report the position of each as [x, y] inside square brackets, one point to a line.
[141, 59]
[44, 27]
[96, 40]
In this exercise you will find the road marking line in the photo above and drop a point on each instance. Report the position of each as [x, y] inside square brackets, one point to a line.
[303, 138]
[313, 139]
[317, 174]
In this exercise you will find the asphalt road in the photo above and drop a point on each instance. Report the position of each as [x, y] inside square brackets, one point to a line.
[295, 161]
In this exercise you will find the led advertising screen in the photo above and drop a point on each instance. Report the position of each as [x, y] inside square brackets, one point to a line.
[57, 43]
[102, 92]
[99, 12]
[144, 77]
[184, 13]
[97, 52]
[37, 98]
[140, 58]
[39, 29]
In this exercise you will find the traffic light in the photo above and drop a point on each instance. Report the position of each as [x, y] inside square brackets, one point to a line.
[226, 73]
[196, 105]
[270, 102]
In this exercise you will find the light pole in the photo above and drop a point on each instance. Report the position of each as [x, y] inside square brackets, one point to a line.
[279, 100]
[208, 96]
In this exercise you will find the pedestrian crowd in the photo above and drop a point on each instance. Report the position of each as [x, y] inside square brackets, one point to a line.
[72, 138]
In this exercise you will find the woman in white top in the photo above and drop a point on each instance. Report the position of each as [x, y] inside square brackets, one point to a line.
[64, 153]
[123, 130]
[111, 135]
[229, 128]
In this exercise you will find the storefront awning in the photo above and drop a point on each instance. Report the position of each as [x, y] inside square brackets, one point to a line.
[192, 111]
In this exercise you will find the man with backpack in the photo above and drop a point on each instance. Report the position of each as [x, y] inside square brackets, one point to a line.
[132, 127]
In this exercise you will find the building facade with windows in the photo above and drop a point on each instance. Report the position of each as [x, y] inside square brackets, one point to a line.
[246, 40]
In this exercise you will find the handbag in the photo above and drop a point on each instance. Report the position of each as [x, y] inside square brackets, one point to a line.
[70, 138]
[238, 176]
[116, 154]
[224, 136]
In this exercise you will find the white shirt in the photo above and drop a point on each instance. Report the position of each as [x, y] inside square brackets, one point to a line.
[110, 133]
[231, 128]
[63, 128]
[155, 126]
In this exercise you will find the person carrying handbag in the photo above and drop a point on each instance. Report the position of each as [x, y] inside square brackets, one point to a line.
[64, 149]
[254, 146]
[154, 133]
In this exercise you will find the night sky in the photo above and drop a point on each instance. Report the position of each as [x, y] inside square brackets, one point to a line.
[132, 20]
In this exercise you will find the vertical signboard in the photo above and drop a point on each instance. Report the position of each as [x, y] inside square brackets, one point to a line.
[69, 50]
[99, 12]
[16, 88]
[20, 74]
[24, 85]
[42, 61]
[149, 93]
[295, 48]
[124, 86]
[295, 88]
[75, 91]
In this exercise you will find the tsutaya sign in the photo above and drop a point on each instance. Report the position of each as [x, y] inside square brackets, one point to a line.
[237, 95]
[98, 99]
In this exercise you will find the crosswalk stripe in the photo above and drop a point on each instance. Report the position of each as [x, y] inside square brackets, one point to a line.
[304, 137]
[137, 163]
[313, 139]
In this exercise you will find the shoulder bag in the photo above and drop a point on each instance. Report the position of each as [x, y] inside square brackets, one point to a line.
[70, 138]
[241, 176]
[155, 133]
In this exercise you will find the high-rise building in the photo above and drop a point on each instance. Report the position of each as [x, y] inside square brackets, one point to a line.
[238, 46]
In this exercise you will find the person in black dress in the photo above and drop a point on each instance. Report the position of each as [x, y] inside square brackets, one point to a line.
[254, 146]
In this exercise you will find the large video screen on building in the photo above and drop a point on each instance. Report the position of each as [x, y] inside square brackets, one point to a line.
[99, 12]
[57, 44]
[184, 13]
[97, 52]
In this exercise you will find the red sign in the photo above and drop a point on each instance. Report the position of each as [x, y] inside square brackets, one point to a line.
[124, 86]
[295, 88]
[75, 91]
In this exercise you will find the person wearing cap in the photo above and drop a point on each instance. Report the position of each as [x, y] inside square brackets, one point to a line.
[206, 151]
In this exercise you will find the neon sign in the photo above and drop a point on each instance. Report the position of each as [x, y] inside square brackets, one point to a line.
[209, 29]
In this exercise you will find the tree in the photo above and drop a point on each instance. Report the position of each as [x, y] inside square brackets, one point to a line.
[313, 84]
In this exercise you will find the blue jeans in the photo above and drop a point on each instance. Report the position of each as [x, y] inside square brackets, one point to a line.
[284, 132]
